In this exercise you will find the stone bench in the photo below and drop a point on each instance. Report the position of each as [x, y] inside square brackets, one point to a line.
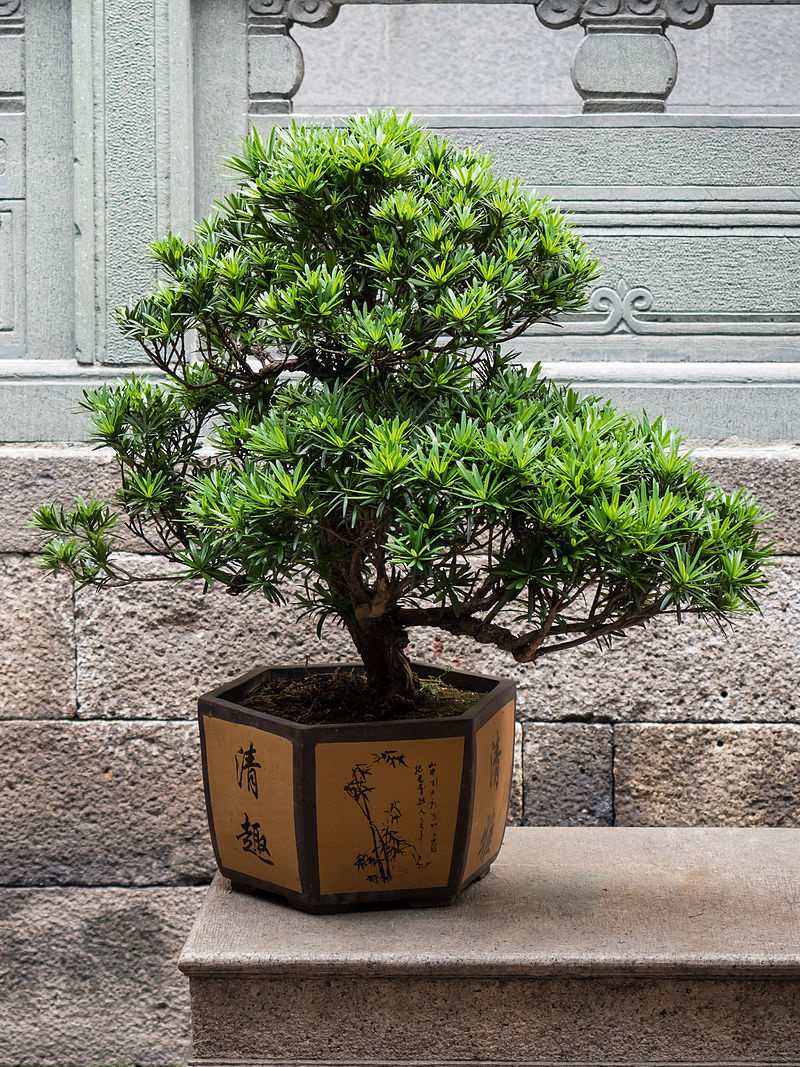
[582, 946]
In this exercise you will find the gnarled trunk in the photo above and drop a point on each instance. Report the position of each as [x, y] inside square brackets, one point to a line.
[388, 669]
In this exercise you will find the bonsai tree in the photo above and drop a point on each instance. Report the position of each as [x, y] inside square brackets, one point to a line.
[337, 418]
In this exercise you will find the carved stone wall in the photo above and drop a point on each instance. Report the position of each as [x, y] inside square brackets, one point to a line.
[415, 56]
[35, 181]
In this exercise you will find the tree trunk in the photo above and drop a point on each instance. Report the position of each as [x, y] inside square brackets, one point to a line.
[388, 669]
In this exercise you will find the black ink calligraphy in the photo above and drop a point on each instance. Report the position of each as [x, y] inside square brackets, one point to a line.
[433, 803]
[253, 841]
[494, 762]
[247, 766]
[487, 836]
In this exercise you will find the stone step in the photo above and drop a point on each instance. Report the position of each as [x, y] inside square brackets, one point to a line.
[582, 946]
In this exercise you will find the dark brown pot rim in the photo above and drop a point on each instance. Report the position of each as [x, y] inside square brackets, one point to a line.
[490, 692]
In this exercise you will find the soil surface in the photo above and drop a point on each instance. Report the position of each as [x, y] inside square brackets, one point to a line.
[344, 696]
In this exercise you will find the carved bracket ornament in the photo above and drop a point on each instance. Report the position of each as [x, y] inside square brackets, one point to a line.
[625, 62]
[689, 14]
[275, 61]
[9, 8]
[306, 12]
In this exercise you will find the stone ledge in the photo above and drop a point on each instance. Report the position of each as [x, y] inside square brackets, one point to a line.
[559, 902]
[526, 1022]
[582, 946]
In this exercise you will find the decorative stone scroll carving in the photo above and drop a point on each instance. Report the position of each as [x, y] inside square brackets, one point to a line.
[275, 63]
[9, 8]
[689, 14]
[629, 309]
[624, 63]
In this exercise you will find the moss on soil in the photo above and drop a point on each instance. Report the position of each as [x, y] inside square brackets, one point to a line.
[345, 697]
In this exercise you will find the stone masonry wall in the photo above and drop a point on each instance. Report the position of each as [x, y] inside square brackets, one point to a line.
[105, 852]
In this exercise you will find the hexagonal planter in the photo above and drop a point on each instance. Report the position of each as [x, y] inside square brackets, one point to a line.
[332, 817]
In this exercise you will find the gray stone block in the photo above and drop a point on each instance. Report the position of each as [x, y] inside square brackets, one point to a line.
[108, 803]
[38, 643]
[773, 475]
[89, 976]
[668, 672]
[148, 651]
[689, 775]
[567, 775]
[754, 675]
[515, 800]
[36, 474]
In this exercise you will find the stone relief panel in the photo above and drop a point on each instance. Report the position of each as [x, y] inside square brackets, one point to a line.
[12, 178]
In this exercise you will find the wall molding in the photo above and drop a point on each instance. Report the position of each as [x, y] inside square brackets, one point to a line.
[757, 400]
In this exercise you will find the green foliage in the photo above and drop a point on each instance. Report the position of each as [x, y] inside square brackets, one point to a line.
[372, 245]
[411, 475]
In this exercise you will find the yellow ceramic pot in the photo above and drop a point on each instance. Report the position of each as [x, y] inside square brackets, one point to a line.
[334, 816]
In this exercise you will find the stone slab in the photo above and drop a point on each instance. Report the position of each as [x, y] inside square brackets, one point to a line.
[102, 803]
[147, 651]
[37, 642]
[573, 902]
[625, 946]
[690, 775]
[542, 1022]
[772, 474]
[34, 474]
[567, 775]
[752, 676]
[89, 976]
[515, 802]
[37, 474]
